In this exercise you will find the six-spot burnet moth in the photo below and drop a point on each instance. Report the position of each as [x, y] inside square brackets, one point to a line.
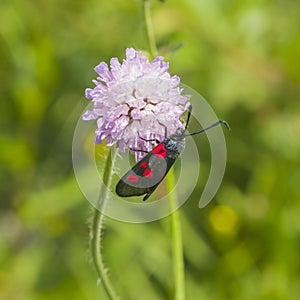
[148, 173]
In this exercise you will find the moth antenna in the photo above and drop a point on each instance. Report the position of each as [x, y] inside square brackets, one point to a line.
[211, 126]
[188, 117]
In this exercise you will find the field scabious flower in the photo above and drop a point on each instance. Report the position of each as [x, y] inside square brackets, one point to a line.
[135, 101]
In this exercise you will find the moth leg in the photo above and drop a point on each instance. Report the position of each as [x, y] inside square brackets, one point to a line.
[165, 127]
[150, 192]
[151, 140]
[138, 150]
[148, 195]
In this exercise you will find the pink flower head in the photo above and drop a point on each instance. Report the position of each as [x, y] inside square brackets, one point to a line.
[135, 101]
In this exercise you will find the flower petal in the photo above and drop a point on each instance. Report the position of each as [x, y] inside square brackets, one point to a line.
[134, 99]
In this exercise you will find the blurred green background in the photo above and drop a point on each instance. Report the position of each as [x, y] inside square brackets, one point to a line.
[243, 57]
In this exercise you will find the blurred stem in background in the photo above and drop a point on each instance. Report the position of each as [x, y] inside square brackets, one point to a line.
[149, 28]
[177, 249]
[97, 227]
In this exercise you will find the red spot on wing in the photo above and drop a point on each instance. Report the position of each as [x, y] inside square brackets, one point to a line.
[160, 151]
[163, 154]
[148, 173]
[158, 148]
[132, 178]
[144, 165]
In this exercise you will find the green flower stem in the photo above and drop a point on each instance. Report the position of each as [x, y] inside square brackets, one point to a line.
[97, 227]
[149, 28]
[177, 248]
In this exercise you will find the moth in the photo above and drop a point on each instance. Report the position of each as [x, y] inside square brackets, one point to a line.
[144, 177]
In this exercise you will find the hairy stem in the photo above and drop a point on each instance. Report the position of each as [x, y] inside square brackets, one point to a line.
[97, 227]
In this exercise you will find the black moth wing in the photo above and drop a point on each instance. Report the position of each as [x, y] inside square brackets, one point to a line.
[126, 188]
[146, 175]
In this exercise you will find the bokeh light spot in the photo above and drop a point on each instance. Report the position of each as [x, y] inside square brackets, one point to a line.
[223, 219]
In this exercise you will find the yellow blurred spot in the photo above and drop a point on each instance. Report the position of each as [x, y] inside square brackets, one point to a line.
[56, 224]
[223, 219]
